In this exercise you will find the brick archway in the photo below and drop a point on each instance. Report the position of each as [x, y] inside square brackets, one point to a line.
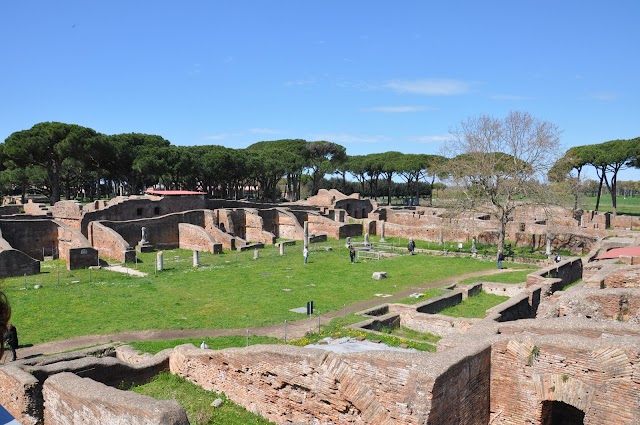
[565, 389]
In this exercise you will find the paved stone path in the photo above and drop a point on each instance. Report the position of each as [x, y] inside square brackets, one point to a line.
[294, 330]
[126, 270]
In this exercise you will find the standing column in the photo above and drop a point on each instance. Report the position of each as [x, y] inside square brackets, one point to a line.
[159, 261]
[306, 235]
[196, 258]
[382, 230]
[548, 251]
[281, 249]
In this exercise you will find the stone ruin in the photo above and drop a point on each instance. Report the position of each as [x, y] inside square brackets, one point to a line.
[550, 354]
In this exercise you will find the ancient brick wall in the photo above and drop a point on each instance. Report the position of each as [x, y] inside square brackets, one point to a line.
[34, 208]
[20, 394]
[10, 209]
[623, 277]
[282, 223]
[434, 305]
[17, 263]
[596, 376]
[254, 228]
[296, 385]
[71, 399]
[30, 236]
[110, 243]
[133, 208]
[556, 276]
[197, 238]
[521, 306]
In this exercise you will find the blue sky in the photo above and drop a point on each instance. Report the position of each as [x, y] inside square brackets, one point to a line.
[371, 75]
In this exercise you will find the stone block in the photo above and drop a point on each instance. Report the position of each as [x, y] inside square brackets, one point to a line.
[379, 275]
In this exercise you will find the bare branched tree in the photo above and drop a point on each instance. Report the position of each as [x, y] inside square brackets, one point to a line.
[501, 163]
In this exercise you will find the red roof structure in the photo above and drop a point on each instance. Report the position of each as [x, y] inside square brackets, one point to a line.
[628, 251]
[173, 192]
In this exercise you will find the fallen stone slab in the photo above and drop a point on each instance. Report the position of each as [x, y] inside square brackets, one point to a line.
[379, 275]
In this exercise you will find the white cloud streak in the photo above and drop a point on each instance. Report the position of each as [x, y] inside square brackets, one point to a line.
[343, 138]
[437, 138]
[397, 109]
[429, 87]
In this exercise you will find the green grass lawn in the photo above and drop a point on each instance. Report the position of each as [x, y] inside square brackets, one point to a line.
[629, 206]
[518, 276]
[217, 343]
[230, 290]
[196, 401]
[475, 306]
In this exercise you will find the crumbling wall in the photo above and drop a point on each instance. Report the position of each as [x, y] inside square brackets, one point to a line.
[300, 385]
[130, 208]
[596, 376]
[110, 243]
[20, 395]
[197, 238]
[70, 399]
[254, 228]
[623, 277]
[30, 236]
[282, 223]
[556, 276]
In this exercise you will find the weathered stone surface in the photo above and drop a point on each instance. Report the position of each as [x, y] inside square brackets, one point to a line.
[297, 385]
[379, 275]
[70, 399]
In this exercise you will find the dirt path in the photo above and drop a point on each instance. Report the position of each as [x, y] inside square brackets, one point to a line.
[294, 330]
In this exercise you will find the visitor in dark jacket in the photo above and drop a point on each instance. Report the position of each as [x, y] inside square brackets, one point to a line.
[11, 337]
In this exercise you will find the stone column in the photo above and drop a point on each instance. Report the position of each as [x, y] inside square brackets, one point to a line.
[348, 242]
[281, 249]
[474, 249]
[382, 223]
[305, 243]
[256, 255]
[196, 258]
[159, 261]
[548, 251]
[366, 238]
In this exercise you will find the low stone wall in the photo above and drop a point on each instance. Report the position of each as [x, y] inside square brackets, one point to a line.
[437, 304]
[623, 277]
[22, 383]
[521, 306]
[21, 395]
[198, 239]
[290, 385]
[17, 263]
[109, 243]
[557, 276]
[71, 399]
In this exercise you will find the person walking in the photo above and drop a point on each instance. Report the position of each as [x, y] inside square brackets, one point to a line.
[500, 259]
[352, 254]
[411, 246]
[11, 337]
[305, 254]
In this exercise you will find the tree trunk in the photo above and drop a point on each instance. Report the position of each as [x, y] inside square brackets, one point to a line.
[599, 191]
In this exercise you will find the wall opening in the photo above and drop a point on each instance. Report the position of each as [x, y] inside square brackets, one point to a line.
[139, 211]
[560, 413]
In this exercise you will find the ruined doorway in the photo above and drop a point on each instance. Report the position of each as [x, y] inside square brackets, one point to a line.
[559, 413]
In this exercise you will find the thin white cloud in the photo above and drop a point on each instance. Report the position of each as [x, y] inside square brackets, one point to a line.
[343, 138]
[510, 97]
[429, 87]
[437, 138]
[398, 109]
[300, 82]
[221, 136]
[264, 131]
[603, 95]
